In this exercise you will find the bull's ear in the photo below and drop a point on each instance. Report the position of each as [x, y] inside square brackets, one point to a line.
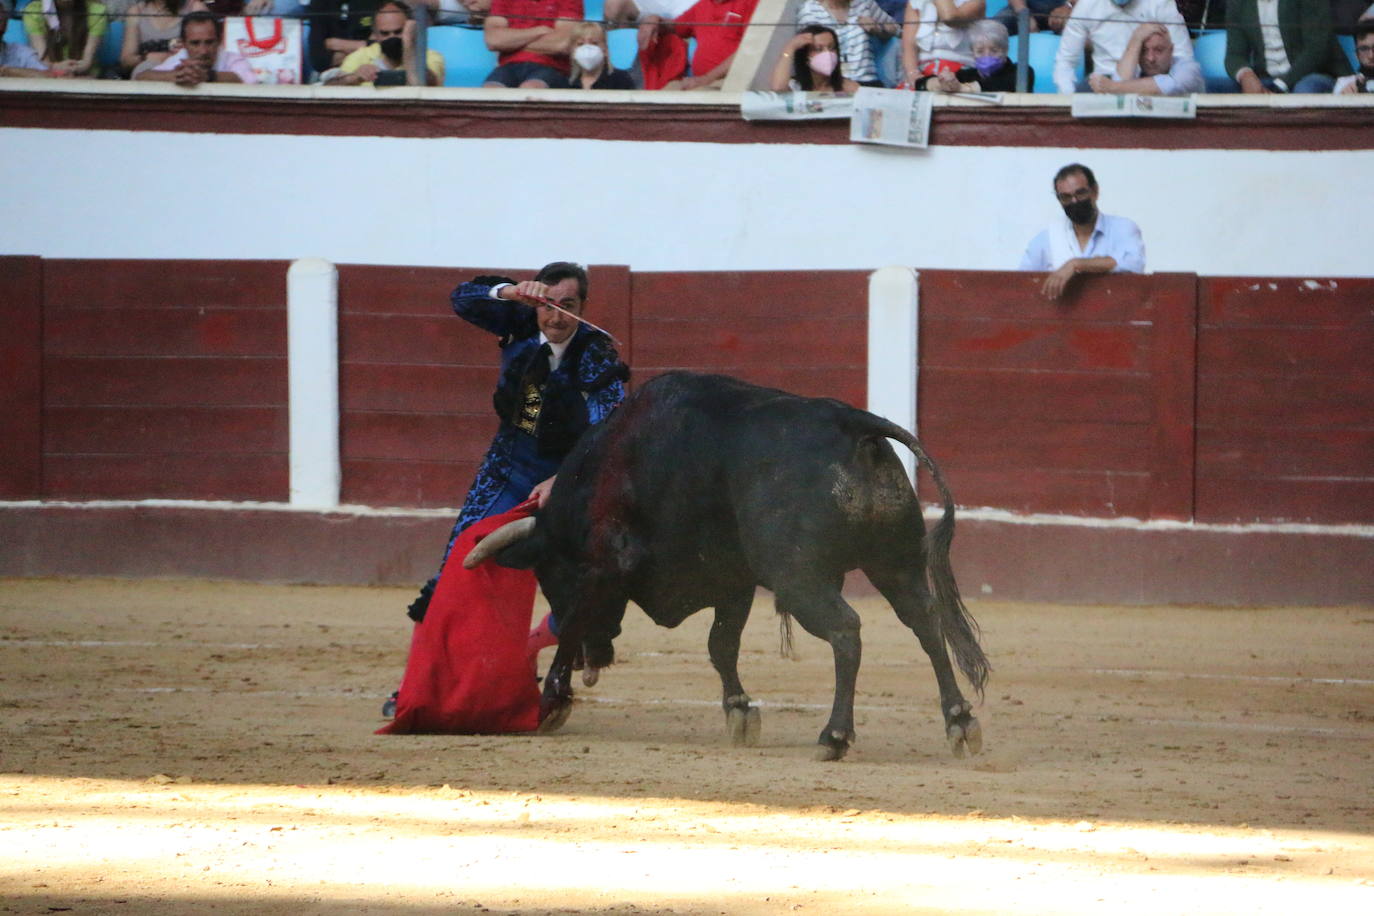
[523, 554]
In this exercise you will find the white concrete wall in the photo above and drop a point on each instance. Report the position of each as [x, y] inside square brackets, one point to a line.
[715, 206]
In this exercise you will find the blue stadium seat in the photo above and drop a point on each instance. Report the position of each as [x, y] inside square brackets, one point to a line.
[1043, 48]
[1209, 47]
[110, 46]
[624, 47]
[466, 58]
[994, 7]
[14, 32]
[1348, 45]
[593, 10]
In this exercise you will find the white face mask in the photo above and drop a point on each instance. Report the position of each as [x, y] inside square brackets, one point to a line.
[589, 57]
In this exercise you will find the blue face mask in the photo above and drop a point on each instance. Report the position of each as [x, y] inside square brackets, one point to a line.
[1121, 2]
[986, 66]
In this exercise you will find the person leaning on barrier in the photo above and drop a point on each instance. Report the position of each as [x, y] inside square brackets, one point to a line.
[591, 60]
[935, 37]
[718, 26]
[1107, 25]
[66, 34]
[1363, 79]
[149, 31]
[17, 60]
[533, 39]
[1085, 240]
[1283, 46]
[388, 59]
[854, 22]
[1148, 67]
[810, 62]
[992, 70]
[201, 59]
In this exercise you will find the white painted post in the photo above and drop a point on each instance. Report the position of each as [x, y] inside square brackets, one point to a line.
[892, 350]
[312, 345]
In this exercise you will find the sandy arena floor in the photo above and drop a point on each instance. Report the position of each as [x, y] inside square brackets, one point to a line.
[173, 747]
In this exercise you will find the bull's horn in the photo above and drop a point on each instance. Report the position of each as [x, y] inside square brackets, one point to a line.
[504, 536]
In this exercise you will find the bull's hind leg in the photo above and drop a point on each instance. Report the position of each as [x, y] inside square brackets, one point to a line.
[824, 614]
[741, 719]
[906, 591]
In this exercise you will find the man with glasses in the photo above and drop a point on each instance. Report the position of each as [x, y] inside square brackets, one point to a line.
[1363, 79]
[387, 60]
[1085, 240]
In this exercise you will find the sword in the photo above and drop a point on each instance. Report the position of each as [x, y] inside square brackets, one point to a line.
[554, 305]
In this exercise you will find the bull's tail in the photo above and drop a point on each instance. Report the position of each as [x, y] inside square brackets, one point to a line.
[957, 624]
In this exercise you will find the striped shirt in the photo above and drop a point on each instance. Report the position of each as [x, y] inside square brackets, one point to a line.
[856, 52]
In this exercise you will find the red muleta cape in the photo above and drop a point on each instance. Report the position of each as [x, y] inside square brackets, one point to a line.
[467, 673]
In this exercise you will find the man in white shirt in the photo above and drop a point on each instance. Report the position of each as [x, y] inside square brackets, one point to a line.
[1085, 240]
[1107, 25]
[1148, 67]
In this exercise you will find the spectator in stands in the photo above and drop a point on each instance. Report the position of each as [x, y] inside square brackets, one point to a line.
[337, 29]
[1085, 241]
[662, 54]
[591, 60]
[854, 21]
[1107, 25]
[202, 57]
[1148, 67]
[19, 60]
[149, 30]
[1296, 53]
[533, 39]
[992, 70]
[810, 62]
[718, 26]
[65, 34]
[1045, 15]
[388, 59]
[935, 37]
[1363, 79]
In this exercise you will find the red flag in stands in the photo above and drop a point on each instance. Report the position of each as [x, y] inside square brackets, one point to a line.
[467, 673]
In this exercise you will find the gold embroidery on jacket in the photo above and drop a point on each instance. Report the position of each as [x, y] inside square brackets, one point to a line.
[528, 416]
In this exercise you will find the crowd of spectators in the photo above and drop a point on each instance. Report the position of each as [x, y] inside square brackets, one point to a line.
[1105, 46]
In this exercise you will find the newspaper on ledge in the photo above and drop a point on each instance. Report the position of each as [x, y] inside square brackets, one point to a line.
[794, 106]
[893, 117]
[1130, 105]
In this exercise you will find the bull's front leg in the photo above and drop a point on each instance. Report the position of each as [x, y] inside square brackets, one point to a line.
[555, 704]
[742, 720]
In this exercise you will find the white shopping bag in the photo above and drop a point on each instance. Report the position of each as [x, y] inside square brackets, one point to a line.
[272, 46]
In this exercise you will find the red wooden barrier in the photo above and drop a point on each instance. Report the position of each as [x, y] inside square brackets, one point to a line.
[168, 379]
[21, 385]
[1286, 400]
[1083, 406]
[164, 379]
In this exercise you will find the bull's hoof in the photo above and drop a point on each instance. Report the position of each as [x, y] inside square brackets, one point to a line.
[833, 745]
[552, 715]
[745, 724]
[590, 676]
[965, 736]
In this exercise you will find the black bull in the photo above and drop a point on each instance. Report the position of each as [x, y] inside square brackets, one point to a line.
[700, 488]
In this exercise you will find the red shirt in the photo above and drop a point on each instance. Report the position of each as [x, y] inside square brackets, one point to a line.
[715, 42]
[526, 14]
